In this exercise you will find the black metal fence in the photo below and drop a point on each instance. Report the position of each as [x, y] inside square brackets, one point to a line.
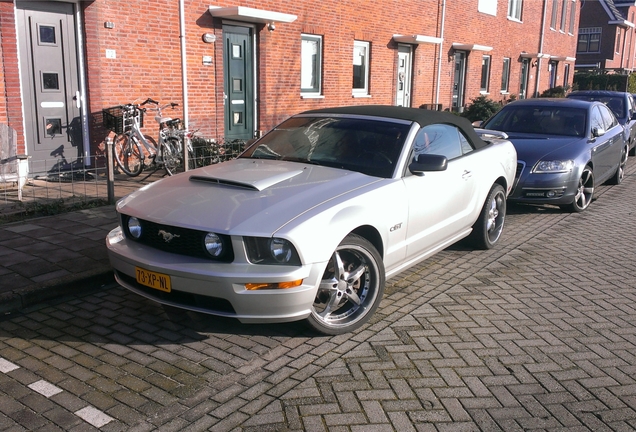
[85, 183]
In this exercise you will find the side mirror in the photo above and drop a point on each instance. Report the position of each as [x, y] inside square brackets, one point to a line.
[428, 162]
[598, 132]
[478, 123]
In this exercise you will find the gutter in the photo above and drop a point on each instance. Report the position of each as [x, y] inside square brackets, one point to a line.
[439, 58]
[543, 19]
[184, 77]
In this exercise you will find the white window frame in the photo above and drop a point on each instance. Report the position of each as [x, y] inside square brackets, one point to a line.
[515, 9]
[485, 74]
[553, 18]
[308, 71]
[505, 75]
[564, 14]
[587, 33]
[572, 15]
[364, 61]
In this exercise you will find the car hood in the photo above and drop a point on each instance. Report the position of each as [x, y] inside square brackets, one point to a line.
[531, 148]
[241, 196]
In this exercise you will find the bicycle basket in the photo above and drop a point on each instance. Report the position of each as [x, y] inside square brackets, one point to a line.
[116, 119]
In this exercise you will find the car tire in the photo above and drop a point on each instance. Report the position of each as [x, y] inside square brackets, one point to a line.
[618, 176]
[584, 193]
[489, 226]
[351, 288]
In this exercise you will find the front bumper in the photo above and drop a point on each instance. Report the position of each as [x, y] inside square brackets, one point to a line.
[217, 288]
[557, 188]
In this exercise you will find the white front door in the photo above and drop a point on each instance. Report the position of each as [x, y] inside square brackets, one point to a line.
[403, 86]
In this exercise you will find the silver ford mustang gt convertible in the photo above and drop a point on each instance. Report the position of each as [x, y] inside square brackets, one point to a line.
[310, 220]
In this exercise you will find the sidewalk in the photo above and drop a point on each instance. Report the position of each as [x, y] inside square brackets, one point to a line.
[55, 255]
[45, 257]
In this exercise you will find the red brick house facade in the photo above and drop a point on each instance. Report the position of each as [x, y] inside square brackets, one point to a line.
[607, 36]
[238, 68]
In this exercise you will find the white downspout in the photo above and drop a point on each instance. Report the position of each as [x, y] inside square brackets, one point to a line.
[439, 58]
[83, 100]
[184, 78]
[536, 82]
[184, 67]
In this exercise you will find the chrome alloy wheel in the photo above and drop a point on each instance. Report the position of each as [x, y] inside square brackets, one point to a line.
[351, 288]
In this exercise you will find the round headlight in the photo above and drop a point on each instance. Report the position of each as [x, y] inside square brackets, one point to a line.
[134, 227]
[281, 250]
[213, 244]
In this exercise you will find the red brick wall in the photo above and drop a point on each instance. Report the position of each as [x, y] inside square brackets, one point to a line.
[11, 106]
[145, 38]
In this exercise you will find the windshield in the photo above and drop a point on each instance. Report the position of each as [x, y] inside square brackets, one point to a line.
[543, 120]
[615, 103]
[371, 147]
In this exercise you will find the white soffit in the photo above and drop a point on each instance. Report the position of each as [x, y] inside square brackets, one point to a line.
[534, 55]
[417, 39]
[470, 47]
[241, 13]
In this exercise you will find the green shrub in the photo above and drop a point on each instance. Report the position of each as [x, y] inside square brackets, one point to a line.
[558, 92]
[481, 108]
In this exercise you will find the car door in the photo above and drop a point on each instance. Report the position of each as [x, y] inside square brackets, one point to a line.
[606, 149]
[441, 203]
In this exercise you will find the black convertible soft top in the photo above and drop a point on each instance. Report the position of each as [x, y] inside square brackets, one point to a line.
[421, 116]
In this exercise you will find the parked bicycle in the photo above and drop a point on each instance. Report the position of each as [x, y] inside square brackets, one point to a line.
[132, 147]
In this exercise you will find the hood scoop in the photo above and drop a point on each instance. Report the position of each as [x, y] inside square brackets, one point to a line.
[256, 180]
[224, 182]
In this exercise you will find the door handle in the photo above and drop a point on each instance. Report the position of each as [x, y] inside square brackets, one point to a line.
[76, 98]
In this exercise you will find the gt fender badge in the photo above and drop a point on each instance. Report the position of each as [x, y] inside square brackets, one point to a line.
[395, 227]
[167, 237]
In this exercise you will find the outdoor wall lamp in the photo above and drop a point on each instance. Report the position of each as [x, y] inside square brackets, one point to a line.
[209, 37]
[271, 26]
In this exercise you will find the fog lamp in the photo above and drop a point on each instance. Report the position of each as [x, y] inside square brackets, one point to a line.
[134, 227]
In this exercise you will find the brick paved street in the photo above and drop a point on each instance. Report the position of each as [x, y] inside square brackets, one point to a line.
[537, 334]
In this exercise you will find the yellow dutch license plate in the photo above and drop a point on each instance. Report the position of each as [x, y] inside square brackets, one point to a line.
[152, 279]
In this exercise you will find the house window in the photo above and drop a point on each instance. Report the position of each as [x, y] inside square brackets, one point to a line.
[572, 15]
[514, 9]
[485, 73]
[553, 19]
[505, 75]
[566, 76]
[361, 67]
[589, 40]
[310, 64]
[564, 10]
[618, 40]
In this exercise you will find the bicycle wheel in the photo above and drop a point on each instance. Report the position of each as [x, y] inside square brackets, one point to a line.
[128, 155]
[172, 155]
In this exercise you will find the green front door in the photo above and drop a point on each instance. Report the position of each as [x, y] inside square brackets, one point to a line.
[238, 69]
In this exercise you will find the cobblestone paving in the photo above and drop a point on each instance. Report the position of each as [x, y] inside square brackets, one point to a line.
[537, 334]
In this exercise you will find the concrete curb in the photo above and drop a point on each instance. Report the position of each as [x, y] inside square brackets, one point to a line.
[22, 298]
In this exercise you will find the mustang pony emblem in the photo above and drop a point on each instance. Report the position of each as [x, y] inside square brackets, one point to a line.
[167, 237]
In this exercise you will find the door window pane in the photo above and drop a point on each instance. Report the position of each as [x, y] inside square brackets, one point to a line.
[310, 64]
[50, 81]
[237, 52]
[46, 34]
[53, 126]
